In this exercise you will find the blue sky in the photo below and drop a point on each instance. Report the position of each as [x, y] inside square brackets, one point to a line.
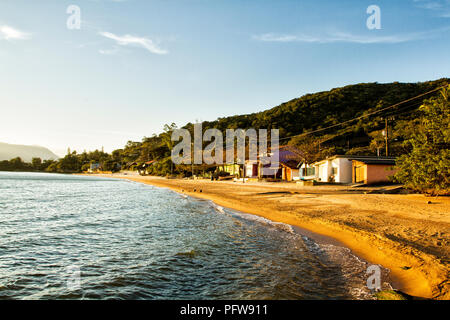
[135, 64]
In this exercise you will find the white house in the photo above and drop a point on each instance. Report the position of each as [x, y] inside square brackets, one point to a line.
[307, 172]
[334, 169]
[339, 169]
[251, 168]
[254, 169]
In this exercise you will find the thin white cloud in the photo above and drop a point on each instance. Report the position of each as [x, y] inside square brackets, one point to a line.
[127, 40]
[344, 37]
[275, 37]
[440, 7]
[431, 5]
[109, 51]
[10, 33]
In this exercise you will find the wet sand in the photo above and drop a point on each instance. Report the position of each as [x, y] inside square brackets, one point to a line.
[403, 233]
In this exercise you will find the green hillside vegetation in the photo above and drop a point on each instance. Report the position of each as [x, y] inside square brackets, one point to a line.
[71, 163]
[17, 164]
[314, 112]
[427, 167]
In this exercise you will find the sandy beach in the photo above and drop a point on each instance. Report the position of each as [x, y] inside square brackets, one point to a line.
[404, 233]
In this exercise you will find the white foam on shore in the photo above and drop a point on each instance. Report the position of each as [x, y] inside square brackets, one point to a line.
[279, 225]
[218, 208]
[251, 217]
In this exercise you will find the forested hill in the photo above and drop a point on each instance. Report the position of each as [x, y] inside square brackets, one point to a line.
[312, 112]
[323, 109]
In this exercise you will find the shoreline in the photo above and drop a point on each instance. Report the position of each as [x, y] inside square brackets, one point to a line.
[414, 272]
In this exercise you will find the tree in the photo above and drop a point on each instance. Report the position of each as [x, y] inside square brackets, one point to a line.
[378, 141]
[52, 167]
[36, 163]
[47, 163]
[117, 155]
[110, 165]
[427, 167]
[70, 163]
[167, 138]
[309, 147]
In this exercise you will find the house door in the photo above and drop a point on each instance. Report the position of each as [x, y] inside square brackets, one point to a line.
[322, 174]
[359, 174]
[288, 174]
[255, 170]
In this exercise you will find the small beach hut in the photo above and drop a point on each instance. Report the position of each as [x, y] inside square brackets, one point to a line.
[372, 170]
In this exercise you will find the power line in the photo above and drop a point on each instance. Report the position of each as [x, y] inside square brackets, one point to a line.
[406, 112]
[364, 116]
[405, 109]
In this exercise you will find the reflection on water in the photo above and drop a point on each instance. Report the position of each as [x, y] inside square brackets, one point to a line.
[133, 241]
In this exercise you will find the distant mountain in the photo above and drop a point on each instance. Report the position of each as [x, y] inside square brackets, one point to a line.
[26, 153]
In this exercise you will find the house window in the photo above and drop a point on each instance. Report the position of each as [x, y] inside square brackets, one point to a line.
[308, 172]
[334, 171]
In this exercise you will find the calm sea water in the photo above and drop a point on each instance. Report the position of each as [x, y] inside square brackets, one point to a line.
[71, 237]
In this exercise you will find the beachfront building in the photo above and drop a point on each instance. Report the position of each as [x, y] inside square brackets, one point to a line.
[252, 168]
[334, 169]
[286, 168]
[94, 167]
[131, 166]
[307, 171]
[290, 158]
[232, 169]
[145, 167]
[349, 169]
[289, 171]
[372, 171]
[256, 169]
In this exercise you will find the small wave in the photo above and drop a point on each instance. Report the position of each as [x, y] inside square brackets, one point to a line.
[216, 207]
[285, 227]
[279, 225]
[219, 209]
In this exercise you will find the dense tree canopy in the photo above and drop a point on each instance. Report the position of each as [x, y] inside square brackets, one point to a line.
[313, 112]
[427, 166]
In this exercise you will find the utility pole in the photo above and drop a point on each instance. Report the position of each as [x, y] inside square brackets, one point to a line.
[192, 160]
[386, 135]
